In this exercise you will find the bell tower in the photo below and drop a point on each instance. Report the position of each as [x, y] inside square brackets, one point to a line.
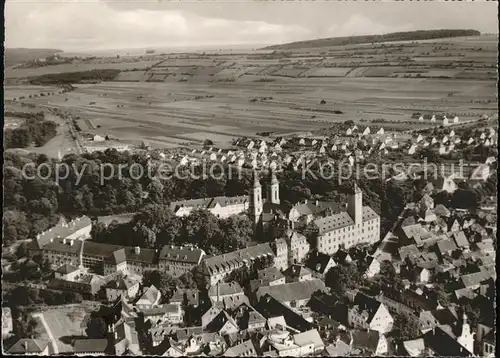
[355, 205]
[466, 339]
[274, 190]
[256, 198]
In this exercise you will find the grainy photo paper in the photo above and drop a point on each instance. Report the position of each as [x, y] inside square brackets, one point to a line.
[250, 178]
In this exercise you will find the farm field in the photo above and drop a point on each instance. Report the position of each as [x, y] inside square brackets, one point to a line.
[184, 99]
[65, 324]
[75, 67]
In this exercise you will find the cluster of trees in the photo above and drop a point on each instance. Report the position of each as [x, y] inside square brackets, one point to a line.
[31, 131]
[33, 205]
[75, 77]
[26, 115]
[156, 226]
[27, 296]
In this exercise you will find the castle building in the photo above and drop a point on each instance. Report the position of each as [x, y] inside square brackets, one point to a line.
[358, 225]
[291, 249]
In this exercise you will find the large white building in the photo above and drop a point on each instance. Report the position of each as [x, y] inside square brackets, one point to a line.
[221, 206]
[359, 224]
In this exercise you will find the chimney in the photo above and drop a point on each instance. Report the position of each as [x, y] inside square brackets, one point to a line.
[316, 203]
[25, 345]
[137, 250]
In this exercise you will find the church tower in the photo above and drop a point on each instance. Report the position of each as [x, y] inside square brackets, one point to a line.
[355, 205]
[274, 190]
[466, 339]
[256, 198]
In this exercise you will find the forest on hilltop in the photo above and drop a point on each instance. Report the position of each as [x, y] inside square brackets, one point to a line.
[394, 36]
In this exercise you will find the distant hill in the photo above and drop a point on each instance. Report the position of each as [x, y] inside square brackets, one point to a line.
[394, 36]
[15, 56]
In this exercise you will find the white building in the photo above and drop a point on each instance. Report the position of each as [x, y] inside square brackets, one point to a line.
[359, 224]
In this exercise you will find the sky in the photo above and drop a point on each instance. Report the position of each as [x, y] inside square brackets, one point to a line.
[80, 25]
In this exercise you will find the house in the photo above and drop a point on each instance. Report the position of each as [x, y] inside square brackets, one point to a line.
[368, 313]
[460, 239]
[189, 296]
[125, 338]
[64, 232]
[121, 287]
[489, 344]
[298, 273]
[177, 260]
[270, 307]
[244, 349]
[30, 346]
[220, 206]
[7, 325]
[422, 274]
[441, 316]
[247, 318]
[442, 342]
[297, 246]
[294, 294]
[310, 342]
[67, 272]
[271, 275]
[228, 295]
[218, 267]
[223, 324]
[320, 263]
[151, 297]
[342, 257]
[90, 346]
[371, 342]
[172, 313]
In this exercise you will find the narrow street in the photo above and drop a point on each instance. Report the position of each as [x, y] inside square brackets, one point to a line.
[55, 349]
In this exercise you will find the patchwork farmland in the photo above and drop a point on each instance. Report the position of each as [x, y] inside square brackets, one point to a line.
[183, 99]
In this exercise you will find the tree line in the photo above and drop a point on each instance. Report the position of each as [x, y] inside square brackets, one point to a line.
[34, 205]
[156, 226]
[34, 130]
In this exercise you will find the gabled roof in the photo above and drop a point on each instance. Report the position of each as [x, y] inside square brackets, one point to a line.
[333, 222]
[225, 289]
[445, 246]
[366, 304]
[121, 284]
[234, 259]
[294, 291]
[187, 254]
[440, 342]
[191, 295]
[270, 274]
[319, 261]
[219, 321]
[28, 345]
[441, 210]
[63, 230]
[365, 340]
[66, 269]
[297, 271]
[90, 345]
[151, 296]
[460, 239]
[308, 337]
[243, 349]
